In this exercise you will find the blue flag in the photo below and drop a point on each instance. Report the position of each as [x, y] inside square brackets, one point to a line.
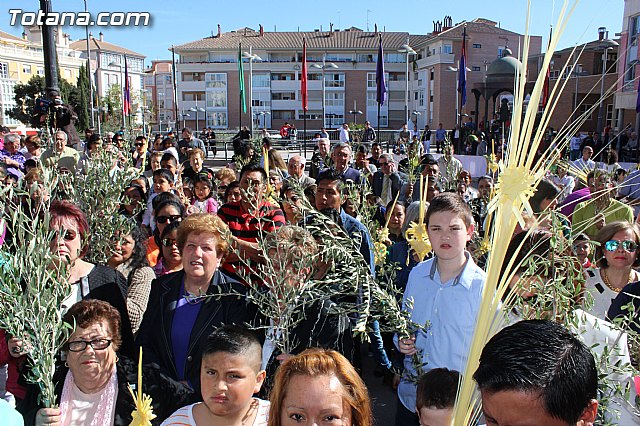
[381, 92]
[462, 70]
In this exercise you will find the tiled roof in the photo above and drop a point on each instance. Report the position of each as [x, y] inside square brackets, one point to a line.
[11, 37]
[353, 39]
[476, 26]
[103, 45]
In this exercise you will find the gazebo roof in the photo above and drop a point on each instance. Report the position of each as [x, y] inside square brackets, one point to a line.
[503, 69]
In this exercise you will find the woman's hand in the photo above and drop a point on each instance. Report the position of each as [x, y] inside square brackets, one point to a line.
[48, 416]
[407, 345]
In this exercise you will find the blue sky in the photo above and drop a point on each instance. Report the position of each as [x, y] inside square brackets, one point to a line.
[177, 22]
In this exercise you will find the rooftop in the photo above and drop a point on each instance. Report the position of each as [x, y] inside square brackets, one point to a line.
[96, 44]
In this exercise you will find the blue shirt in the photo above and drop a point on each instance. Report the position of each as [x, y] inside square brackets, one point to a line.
[184, 319]
[441, 134]
[451, 309]
[359, 233]
[631, 186]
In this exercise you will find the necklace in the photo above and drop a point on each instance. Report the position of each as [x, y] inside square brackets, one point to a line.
[605, 280]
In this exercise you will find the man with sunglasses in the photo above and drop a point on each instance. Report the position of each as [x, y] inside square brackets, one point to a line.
[590, 216]
[387, 182]
[188, 143]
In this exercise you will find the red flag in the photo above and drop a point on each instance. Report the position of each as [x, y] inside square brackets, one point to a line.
[545, 88]
[126, 104]
[303, 77]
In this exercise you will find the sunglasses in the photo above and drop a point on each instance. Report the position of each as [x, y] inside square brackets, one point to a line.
[172, 218]
[138, 144]
[169, 242]
[628, 245]
[66, 234]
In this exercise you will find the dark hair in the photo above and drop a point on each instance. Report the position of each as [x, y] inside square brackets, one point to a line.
[236, 340]
[332, 176]
[171, 141]
[166, 198]
[540, 357]
[203, 178]
[139, 254]
[612, 157]
[437, 388]
[363, 149]
[171, 227]
[254, 167]
[546, 190]
[188, 130]
[167, 156]
[88, 312]
[164, 173]
[233, 185]
[450, 202]
[607, 232]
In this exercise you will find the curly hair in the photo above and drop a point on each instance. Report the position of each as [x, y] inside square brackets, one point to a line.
[205, 223]
[88, 312]
[322, 362]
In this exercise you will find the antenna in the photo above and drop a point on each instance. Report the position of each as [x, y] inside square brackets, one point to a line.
[368, 11]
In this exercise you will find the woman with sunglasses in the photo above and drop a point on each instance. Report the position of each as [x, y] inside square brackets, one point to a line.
[616, 256]
[88, 281]
[185, 306]
[93, 384]
[167, 208]
[170, 259]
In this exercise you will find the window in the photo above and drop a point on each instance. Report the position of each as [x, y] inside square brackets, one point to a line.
[431, 74]
[283, 96]
[634, 30]
[216, 99]
[283, 115]
[421, 98]
[26, 69]
[338, 57]
[395, 58]
[40, 71]
[371, 80]
[283, 76]
[477, 46]
[168, 79]
[316, 76]
[584, 108]
[281, 57]
[334, 99]
[311, 115]
[216, 80]
[261, 80]
[261, 99]
[474, 68]
[334, 120]
[193, 76]
[4, 70]
[447, 48]
[334, 79]
[415, 96]
[367, 57]
[217, 120]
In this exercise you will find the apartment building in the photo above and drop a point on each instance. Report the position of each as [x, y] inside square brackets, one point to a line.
[158, 90]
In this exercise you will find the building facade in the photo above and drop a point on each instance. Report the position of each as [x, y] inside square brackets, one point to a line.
[341, 75]
[158, 90]
[627, 88]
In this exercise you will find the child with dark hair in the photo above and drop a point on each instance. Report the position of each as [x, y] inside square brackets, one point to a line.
[203, 194]
[230, 374]
[436, 396]
[163, 181]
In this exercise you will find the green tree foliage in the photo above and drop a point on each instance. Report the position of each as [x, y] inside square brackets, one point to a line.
[111, 111]
[83, 99]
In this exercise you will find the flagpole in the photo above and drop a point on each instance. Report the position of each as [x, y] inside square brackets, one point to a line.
[381, 88]
[303, 83]
[239, 88]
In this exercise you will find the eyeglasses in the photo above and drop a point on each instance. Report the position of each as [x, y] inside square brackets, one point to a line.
[628, 245]
[172, 218]
[222, 187]
[139, 144]
[81, 345]
[169, 242]
[65, 234]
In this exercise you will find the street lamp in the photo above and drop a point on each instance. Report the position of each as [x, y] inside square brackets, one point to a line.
[605, 44]
[405, 48]
[184, 116]
[196, 110]
[115, 64]
[356, 113]
[264, 118]
[454, 69]
[251, 57]
[86, 30]
[323, 67]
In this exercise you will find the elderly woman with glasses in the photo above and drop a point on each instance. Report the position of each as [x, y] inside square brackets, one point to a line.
[186, 306]
[616, 256]
[92, 385]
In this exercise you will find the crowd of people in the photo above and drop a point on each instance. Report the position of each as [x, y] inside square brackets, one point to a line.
[178, 284]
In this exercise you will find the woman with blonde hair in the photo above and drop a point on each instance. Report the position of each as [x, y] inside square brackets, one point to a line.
[319, 386]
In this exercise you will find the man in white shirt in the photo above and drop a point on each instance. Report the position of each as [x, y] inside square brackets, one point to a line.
[574, 146]
[344, 133]
[585, 163]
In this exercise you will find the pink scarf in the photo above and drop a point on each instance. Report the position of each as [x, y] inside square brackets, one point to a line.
[105, 406]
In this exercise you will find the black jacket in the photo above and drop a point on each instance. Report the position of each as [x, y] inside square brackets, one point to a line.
[167, 395]
[154, 334]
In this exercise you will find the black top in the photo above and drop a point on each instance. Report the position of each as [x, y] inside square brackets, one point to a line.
[629, 294]
[225, 306]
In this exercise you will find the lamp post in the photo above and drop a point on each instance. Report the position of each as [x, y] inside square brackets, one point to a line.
[356, 113]
[323, 67]
[86, 30]
[251, 57]
[197, 109]
[184, 116]
[454, 69]
[605, 44]
[115, 64]
[405, 48]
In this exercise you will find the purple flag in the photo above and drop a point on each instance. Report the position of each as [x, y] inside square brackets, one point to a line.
[381, 93]
[462, 70]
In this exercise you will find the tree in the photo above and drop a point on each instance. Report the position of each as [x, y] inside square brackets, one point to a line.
[111, 117]
[26, 94]
[83, 99]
